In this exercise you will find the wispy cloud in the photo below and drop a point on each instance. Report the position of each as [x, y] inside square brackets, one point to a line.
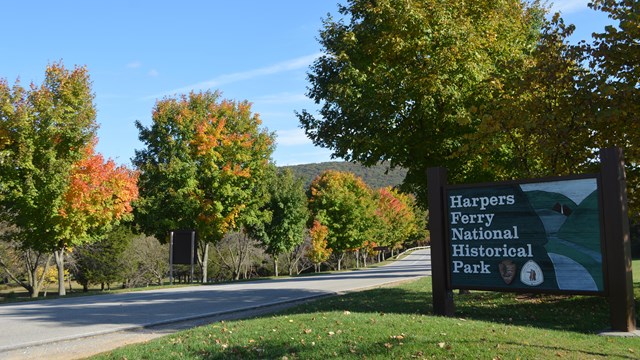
[281, 98]
[153, 73]
[281, 67]
[292, 137]
[569, 6]
[134, 65]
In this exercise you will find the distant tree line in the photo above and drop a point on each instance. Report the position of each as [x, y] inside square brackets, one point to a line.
[376, 176]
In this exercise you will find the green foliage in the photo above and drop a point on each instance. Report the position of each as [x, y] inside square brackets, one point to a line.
[344, 204]
[412, 68]
[102, 262]
[203, 168]
[376, 176]
[203, 160]
[615, 67]
[287, 207]
[536, 122]
[43, 133]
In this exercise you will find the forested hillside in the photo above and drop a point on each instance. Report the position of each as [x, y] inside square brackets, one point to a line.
[376, 177]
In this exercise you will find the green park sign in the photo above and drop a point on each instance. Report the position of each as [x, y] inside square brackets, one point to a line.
[534, 236]
[566, 235]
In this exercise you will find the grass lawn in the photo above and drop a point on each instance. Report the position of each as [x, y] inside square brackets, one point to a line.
[396, 323]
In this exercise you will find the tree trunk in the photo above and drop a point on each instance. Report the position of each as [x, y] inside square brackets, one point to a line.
[59, 256]
[204, 260]
[275, 264]
[357, 259]
[340, 261]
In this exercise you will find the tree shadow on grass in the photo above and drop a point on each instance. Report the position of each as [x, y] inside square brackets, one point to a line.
[583, 314]
[576, 313]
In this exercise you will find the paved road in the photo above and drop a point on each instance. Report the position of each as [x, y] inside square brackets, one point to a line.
[35, 323]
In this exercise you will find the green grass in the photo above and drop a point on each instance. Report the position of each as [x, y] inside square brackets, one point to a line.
[396, 323]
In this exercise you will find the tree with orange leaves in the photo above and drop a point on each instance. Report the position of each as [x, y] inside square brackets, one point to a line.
[99, 196]
[397, 220]
[318, 252]
[203, 168]
[53, 190]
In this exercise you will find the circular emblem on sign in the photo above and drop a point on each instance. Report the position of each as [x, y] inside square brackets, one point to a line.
[531, 274]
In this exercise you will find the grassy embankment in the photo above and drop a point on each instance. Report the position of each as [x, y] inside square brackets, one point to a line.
[396, 323]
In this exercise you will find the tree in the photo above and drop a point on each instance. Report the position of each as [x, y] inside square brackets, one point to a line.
[203, 160]
[615, 67]
[238, 252]
[102, 262]
[287, 207]
[537, 121]
[145, 262]
[413, 68]
[99, 196]
[397, 220]
[344, 204]
[318, 252]
[43, 133]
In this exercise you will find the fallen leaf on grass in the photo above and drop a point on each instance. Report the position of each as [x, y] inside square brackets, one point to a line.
[441, 345]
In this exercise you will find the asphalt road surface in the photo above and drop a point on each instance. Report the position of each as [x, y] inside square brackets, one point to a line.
[28, 329]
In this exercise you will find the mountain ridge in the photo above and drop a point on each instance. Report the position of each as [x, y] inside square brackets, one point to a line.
[375, 177]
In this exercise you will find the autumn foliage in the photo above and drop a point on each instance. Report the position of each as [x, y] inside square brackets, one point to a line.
[99, 193]
[318, 252]
[397, 217]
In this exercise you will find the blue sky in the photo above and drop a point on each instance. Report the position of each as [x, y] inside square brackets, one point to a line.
[140, 51]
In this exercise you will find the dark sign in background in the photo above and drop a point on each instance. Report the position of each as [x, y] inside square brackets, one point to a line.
[542, 236]
[183, 247]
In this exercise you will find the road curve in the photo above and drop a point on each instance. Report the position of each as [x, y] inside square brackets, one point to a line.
[48, 321]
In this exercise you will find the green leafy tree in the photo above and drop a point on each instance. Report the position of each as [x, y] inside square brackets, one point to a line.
[537, 120]
[345, 205]
[43, 133]
[204, 159]
[615, 65]
[287, 207]
[398, 79]
[102, 262]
